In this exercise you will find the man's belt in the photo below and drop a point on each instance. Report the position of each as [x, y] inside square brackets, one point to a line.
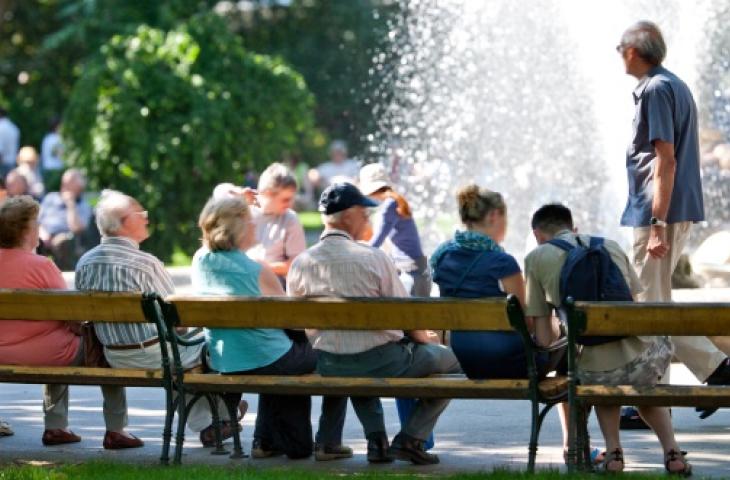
[135, 346]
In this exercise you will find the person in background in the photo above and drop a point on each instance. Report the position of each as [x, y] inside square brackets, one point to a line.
[16, 184]
[28, 167]
[221, 267]
[65, 216]
[393, 221]
[339, 168]
[47, 343]
[52, 163]
[9, 143]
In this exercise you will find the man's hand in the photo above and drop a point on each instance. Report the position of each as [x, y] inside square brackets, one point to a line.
[68, 198]
[424, 336]
[658, 246]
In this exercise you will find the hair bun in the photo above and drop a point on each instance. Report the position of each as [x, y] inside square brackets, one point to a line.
[475, 203]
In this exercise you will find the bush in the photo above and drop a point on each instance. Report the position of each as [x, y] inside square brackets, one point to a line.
[164, 116]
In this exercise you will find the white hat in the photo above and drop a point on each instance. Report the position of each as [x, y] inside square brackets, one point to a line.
[373, 177]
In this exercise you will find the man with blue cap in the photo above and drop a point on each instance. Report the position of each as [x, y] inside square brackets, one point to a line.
[339, 266]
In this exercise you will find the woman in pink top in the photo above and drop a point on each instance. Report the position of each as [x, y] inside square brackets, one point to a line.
[30, 342]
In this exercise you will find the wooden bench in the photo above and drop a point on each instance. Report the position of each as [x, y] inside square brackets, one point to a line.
[72, 306]
[630, 319]
[358, 314]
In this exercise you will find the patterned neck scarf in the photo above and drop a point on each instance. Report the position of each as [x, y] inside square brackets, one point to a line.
[468, 240]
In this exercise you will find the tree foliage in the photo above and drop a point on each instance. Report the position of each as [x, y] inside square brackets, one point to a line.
[165, 115]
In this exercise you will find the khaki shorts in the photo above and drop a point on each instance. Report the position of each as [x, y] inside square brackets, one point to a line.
[643, 371]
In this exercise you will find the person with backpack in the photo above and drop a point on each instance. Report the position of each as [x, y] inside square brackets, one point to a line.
[563, 265]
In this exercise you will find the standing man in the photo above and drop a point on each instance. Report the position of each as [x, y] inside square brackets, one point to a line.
[665, 188]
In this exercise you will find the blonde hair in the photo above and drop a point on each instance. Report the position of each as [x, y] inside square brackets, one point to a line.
[27, 156]
[16, 215]
[223, 223]
[276, 177]
[475, 203]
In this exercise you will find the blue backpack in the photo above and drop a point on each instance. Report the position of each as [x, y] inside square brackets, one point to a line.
[589, 274]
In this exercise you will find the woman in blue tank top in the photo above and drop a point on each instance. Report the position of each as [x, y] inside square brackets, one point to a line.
[474, 265]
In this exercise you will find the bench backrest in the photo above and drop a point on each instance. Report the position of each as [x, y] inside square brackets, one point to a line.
[340, 313]
[69, 305]
[628, 318]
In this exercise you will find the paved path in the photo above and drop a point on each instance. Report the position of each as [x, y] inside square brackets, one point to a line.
[472, 435]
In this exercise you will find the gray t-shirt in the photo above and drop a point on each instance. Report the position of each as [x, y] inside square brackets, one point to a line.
[665, 110]
[279, 237]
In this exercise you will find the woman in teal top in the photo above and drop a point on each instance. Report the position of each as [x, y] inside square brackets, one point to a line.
[221, 267]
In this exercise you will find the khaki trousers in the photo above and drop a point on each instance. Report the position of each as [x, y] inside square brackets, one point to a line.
[699, 354]
[55, 403]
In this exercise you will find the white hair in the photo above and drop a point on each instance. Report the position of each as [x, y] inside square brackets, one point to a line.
[329, 219]
[109, 210]
[646, 37]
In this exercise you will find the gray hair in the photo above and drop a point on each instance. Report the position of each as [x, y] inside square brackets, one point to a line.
[110, 209]
[331, 218]
[647, 39]
[72, 173]
[276, 177]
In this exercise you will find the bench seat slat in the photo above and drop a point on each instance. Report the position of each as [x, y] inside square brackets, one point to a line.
[660, 395]
[81, 376]
[611, 318]
[66, 305]
[339, 313]
[433, 387]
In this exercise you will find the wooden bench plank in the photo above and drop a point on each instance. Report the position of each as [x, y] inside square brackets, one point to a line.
[378, 387]
[612, 318]
[660, 395]
[81, 376]
[341, 313]
[65, 305]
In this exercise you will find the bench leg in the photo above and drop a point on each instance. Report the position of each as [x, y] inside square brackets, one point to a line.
[233, 415]
[167, 430]
[182, 420]
[537, 421]
[219, 450]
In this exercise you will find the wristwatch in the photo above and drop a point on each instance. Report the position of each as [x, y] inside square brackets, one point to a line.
[655, 222]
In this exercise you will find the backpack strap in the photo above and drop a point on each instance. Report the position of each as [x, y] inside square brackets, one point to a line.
[561, 244]
[596, 242]
[466, 272]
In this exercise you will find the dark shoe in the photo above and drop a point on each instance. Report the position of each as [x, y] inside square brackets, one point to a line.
[117, 441]
[207, 435]
[259, 449]
[630, 420]
[378, 448]
[58, 436]
[411, 449]
[721, 376]
[325, 453]
[675, 456]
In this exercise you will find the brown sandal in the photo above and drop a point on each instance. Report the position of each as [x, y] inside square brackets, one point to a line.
[674, 456]
[616, 455]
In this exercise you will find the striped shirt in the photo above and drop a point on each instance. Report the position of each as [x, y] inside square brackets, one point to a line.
[339, 267]
[118, 265]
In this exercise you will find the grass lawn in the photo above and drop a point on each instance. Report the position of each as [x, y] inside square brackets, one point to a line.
[99, 471]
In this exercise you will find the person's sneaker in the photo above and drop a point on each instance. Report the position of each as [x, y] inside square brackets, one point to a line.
[59, 436]
[5, 430]
[260, 450]
[378, 448]
[631, 420]
[325, 453]
[411, 449]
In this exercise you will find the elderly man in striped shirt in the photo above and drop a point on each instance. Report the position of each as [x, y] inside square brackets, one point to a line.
[340, 266]
[118, 265]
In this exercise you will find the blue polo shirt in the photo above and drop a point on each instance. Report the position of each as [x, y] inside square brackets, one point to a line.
[665, 110]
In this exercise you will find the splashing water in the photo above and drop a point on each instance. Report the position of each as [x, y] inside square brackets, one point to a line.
[526, 98]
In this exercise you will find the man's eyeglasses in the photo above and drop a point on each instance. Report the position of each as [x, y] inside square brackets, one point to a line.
[142, 213]
[620, 48]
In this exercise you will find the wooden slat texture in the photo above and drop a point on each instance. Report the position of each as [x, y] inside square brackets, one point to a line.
[342, 313]
[67, 305]
[657, 318]
[661, 395]
[81, 376]
[380, 387]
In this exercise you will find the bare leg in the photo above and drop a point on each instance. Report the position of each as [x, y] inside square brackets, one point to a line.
[563, 413]
[608, 419]
[659, 420]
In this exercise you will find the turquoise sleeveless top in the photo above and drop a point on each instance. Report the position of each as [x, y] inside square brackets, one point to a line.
[235, 349]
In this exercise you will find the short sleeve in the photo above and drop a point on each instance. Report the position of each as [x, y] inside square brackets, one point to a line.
[658, 103]
[535, 298]
[507, 266]
[295, 242]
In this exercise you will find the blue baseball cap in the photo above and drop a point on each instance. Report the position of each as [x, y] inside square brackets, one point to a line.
[341, 196]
